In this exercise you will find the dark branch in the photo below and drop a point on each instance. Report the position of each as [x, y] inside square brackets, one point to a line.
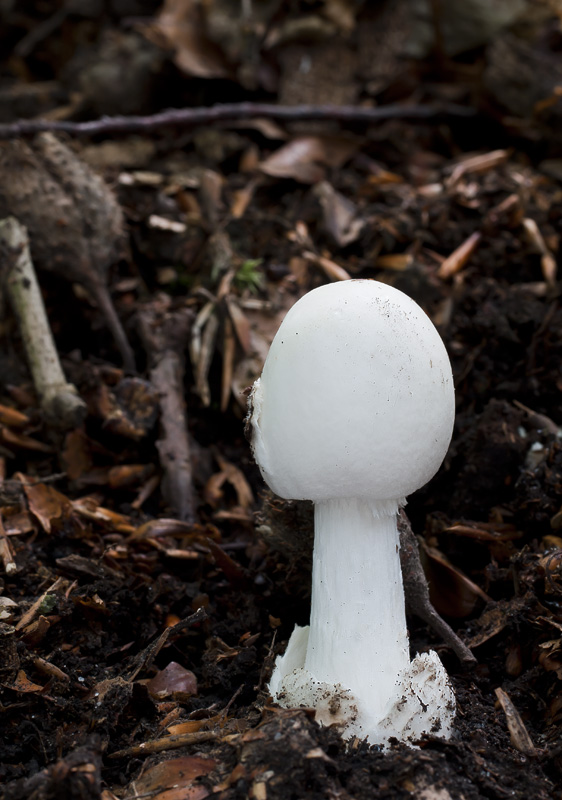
[191, 117]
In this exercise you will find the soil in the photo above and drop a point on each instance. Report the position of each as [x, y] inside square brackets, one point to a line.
[142, 605]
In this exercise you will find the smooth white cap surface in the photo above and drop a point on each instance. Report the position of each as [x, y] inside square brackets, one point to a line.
[356, 398]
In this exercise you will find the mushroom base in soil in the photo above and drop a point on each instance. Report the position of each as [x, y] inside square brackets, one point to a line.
[354, 410]
[392, 697]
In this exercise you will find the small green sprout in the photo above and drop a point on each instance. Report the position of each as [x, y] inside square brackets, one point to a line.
[248, 275]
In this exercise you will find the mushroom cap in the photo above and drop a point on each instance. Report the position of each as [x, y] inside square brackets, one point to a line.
[356, 398]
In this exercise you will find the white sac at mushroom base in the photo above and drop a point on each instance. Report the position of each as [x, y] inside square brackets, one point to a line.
[424, 702]
[352, 664]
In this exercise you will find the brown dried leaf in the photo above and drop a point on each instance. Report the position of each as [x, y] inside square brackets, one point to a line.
[243, 197]
[163, 527]
[12, 418]
[129, 409]
[228, 353]
[452, 593]
[495, 619]
[45, 503]
[92, 606]
[172, 681]
[194, 725]
[518, 733]
[264, 323]
[333, 271]
[174, 773]
[16, 521]
[129, 475]
[231, 569]
[203, 364]
[240, 322]
[483, 162]
[89, 508]
[184, 793]
[24, 685]
[459, 257]
[76, 455]
[180, 25]
[395, 261]
[550, 657]
[228, 473]
[20, 440]
[34, 633]
[303, 159]
[211, 184]
[340, 215]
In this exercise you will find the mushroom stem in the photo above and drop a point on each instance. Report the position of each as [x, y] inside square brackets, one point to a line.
[358, 636]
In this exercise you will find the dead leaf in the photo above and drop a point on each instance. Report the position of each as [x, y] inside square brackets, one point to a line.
[211, 185]
[35, 632]
[45, 503]
[129, 475]
[536, 239]
[174, 773]
[12, 418]
[14, 439]
[550, 657]
[24, 685]
[235, 477]
[332, 270]
[92, 606]
[163, 527]
[304, 159]
[459, 257]
[128, 409]
[194, 725]
[243, 197]
[16, 521]
[495, 619]
[173, 681]
[180, 26]
[89, 508]
[228, 354]
[240, 322]
[395, 261]
[341, 218]
[483, 162]
[518, 733]
[264, 321]
[452, 593]
[76, 454]
[183, 793]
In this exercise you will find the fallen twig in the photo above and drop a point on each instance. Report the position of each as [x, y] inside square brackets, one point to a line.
[145, 658]
[166, 743]
[59, 399]
[6, 552]
[417, 592]
[191, 117]
[164, 335]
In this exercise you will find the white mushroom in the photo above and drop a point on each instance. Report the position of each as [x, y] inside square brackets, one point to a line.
[354, 410]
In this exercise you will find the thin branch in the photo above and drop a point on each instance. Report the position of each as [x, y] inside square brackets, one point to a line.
[164, 333]
[191, 117]
[417, 592]
[59, 399]
[166, 744]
